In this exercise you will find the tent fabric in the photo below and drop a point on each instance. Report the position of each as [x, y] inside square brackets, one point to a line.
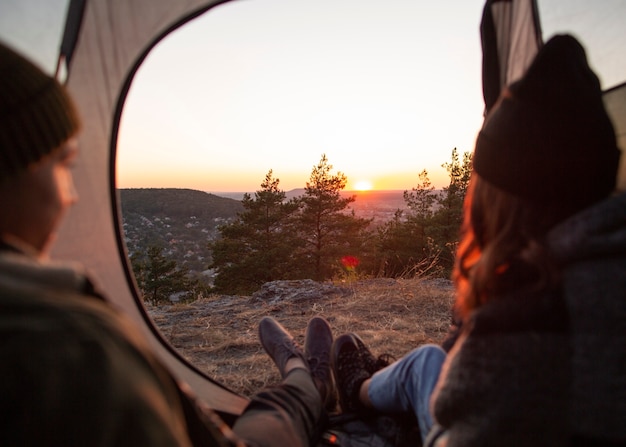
[70, 35]
[615, 103]
[115, 35]
[510, 37]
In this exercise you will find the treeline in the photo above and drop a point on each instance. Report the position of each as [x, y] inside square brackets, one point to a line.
[306, 237]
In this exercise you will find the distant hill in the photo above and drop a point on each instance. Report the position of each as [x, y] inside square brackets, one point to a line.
[239, 195]
[183, 221]
[173, 202]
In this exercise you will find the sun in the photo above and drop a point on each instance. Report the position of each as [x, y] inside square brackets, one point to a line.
[363, 185]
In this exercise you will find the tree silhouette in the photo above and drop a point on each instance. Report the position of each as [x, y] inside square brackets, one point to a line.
[421, 198]
[425, 236]
[327, 230]
[446, 221]
[403, 242]
[160, 277]
[258, 246]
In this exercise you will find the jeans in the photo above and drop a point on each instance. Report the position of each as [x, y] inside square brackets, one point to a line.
[287, 415]
[406, 385]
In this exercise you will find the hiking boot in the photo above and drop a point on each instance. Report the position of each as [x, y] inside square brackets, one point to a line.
[317, 344]
[278, 343]
[350, 372]
[371, 363]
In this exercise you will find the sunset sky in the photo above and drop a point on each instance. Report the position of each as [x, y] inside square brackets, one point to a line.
[251, 86]
[384, 88]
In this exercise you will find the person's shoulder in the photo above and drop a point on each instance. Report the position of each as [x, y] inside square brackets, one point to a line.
[49, 335]
[75, 353]
[51, 308]
[46, 303]
[47, 319]
[24, 271]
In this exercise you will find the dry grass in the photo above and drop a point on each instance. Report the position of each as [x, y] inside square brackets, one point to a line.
[219, 334]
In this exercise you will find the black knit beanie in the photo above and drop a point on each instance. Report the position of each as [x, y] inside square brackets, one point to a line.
[549, 138]
[36, 113]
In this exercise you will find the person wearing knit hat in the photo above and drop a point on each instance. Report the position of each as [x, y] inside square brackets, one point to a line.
[550, 139]
[539, 277]
[64, 354]
[36, 113]
[74, 370]
[540, 270]
[38, 127]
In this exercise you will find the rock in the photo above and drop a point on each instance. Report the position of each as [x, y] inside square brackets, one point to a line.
[275, 292]
[440, 283]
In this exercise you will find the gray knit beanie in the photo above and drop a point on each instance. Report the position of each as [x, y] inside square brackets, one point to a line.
[36, 113]
[549, 138]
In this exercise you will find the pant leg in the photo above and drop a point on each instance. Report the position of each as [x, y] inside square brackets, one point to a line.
[287, 415]
[406, 385]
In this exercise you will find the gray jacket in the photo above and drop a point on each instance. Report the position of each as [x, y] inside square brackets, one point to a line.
[546, 367]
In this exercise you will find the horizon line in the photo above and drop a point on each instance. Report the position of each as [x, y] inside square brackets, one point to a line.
[252, 192]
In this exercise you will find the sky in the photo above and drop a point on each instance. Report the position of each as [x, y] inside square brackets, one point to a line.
[251, 86]
[384, 88]
[34, 27]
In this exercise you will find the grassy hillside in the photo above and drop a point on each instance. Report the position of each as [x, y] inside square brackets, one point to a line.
[219, 333]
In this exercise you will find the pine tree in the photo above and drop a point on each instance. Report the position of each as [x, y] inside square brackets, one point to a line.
[421, 198]
[139, 269]
[446, 221]
[258, 246]
[426, 235]
[403, 245]
[420, 202]
[162, 277]
[327, 229]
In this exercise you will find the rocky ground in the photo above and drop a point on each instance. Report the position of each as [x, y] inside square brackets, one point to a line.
[219, 333]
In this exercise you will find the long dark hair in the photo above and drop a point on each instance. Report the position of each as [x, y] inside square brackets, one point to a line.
[499, 228]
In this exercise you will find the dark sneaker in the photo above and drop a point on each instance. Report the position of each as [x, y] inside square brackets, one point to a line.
[371, 363]
[317, 345]
[350, 371]
[278, 343]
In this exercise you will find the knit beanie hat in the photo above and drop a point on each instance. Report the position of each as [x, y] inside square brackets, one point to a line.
[549, 138]
[36, 113]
